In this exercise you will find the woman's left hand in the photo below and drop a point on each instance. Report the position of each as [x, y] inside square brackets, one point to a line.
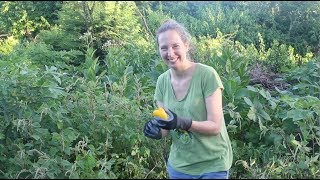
[173, 122]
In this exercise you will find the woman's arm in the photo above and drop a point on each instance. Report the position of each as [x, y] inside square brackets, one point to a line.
[164, 132]
[212, 126]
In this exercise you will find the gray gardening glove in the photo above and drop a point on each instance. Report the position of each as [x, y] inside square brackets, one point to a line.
[151, 130]
[173, 122]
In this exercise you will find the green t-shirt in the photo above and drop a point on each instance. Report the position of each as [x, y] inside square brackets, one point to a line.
[191, 152]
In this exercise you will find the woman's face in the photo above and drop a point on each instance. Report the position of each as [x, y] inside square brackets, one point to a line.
[172, 49]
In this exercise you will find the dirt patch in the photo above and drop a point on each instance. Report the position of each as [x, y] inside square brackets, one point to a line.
[259, 74]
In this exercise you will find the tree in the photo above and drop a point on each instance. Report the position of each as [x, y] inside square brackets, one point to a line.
[27, 18]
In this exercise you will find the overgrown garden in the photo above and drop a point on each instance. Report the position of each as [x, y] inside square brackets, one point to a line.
[77, 82]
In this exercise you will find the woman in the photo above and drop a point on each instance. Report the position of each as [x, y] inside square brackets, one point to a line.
[191, 93]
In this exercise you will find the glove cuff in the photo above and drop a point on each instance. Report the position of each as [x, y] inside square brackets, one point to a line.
[184, 124]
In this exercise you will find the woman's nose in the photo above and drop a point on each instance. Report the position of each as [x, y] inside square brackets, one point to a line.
[170, 52]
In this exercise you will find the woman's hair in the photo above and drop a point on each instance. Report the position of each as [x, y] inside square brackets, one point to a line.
[179, 28]
[174, 25]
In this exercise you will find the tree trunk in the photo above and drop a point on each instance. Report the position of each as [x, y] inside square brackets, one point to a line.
[86, 15]
[145, 23]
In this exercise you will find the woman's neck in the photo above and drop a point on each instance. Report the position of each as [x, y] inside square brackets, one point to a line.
[185, 71]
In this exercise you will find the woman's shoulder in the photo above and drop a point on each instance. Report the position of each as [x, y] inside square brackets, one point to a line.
[203, 68]
[164, 75]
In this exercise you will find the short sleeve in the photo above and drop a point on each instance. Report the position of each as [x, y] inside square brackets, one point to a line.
[211, 82]
[158, 95]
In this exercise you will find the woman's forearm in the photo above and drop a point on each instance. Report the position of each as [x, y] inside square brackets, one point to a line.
[206, 127]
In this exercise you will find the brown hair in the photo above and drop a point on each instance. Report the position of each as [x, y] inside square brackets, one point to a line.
[171, 24]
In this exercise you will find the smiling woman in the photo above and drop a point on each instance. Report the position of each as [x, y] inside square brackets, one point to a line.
[173, 50]
[172, 38]
[191, 94]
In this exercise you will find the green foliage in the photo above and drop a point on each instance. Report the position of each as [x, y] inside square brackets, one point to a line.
[42, 54]
[60, 126]
[109, 23]
[294, 19]
[248, 107]
[26, 19]
[280, 58]
[153, 19]
[7, 45]
[61, 40]
[294, 129]
[73, 101]
[305, 79]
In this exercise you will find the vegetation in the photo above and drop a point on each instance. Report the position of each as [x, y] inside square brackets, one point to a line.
[77, 82]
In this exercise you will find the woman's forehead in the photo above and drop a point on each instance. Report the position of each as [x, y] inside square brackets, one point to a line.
[169, 36]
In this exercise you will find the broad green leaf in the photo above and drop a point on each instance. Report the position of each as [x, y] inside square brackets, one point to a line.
[298, 114]
[257, 103]
[252, 114]
[103, 175]
[300, 86]
[248, 101]
[56, 137]
[251, 88]
[57, 79]
[70, 134]
[289, 100]
[36, 137]
[42, 132]
[315, 158]
[90, 162]
[306, 102]
[243, 92]
[60, 124]
[265, 94]
[280, 91]
[50, 175]
[264, 114]
[74, 175]
[56, 91]
[273, 104]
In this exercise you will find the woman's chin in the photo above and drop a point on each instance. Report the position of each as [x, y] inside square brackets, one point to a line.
[172, 65]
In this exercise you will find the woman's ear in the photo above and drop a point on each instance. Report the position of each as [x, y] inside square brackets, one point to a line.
[187, 46]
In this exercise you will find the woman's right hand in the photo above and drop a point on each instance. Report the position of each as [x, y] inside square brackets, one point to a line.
[151, 130]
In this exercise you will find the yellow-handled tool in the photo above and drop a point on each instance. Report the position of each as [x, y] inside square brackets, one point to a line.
[161, 113]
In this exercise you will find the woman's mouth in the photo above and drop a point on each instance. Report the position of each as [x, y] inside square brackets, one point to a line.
[172, 60]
